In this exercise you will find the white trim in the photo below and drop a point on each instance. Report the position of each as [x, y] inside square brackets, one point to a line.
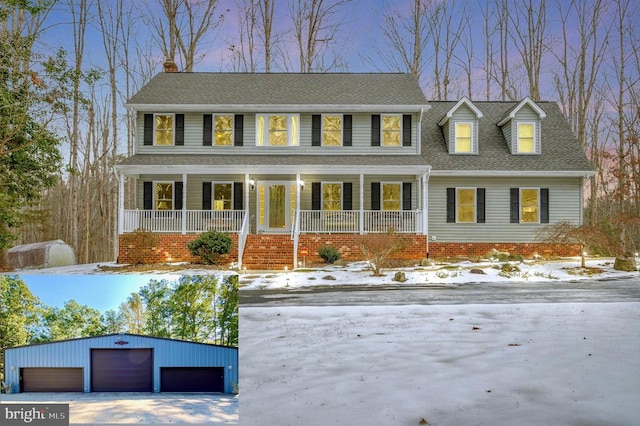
[465, 101]
[279, 108]
[322, 129]
[213, 128]
[173, 128]
[475, 203]
[525, 101]
[535, 133]
[322, 183]
[401, 132]
[471, 137]
[184, 202]
[520, 188]
[510, 173]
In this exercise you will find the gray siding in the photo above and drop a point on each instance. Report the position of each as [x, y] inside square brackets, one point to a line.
[166, 353]
[361, 134]
[564, 205]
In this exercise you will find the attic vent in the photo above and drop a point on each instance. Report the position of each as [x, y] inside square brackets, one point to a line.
[170, 66]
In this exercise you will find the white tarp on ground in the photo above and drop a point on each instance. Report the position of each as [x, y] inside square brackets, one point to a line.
[46, 254]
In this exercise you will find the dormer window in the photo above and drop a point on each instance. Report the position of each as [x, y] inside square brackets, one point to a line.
[526, 139]
[521, 127]
[460, 127]
[463, 138]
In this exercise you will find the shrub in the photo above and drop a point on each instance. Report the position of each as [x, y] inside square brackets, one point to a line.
[210, 246]
[379, 248]
[140, 245]
[329, 254]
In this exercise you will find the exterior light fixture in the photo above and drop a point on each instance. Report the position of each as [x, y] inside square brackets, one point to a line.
[252, 183]
[301, 184]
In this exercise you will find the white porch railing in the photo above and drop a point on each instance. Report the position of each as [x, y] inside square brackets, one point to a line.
[348, 221]
[171, 220]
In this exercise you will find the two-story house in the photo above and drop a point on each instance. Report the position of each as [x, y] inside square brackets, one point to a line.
[288, 162]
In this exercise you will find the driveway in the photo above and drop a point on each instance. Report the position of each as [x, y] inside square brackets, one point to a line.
[116, 407]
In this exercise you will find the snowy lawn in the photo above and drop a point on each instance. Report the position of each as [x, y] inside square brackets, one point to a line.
[437, 274]
[526, 364]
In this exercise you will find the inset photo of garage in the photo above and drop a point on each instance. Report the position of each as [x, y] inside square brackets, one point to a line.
[121, 363]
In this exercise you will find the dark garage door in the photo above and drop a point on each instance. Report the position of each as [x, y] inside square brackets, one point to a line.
[121, 370]
[192, 379]
[51, 380]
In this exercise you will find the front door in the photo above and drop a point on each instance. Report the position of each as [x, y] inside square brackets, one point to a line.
[276, 201]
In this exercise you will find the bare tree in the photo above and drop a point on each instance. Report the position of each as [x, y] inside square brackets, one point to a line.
[445, 37]
[407, 37]
[316, 24]
[527, 30]
[182, 27]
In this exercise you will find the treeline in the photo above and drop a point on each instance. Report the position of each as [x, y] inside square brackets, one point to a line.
[585, 54]
[201, 308]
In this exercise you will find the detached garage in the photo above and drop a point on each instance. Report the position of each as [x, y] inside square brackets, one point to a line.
[122, 363]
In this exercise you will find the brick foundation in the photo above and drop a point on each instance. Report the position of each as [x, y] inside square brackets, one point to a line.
[173, 248]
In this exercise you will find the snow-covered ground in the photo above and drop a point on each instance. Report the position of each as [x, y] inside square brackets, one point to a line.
[526, 364]
[518, 364]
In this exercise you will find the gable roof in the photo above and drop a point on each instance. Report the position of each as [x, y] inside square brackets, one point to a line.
[560, 155]
[466, 101]
[514, 110]
[278, 92]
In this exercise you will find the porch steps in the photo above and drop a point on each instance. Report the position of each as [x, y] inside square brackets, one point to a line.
[268, 252]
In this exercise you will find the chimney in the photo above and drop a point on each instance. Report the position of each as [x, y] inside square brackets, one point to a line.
[170, 66]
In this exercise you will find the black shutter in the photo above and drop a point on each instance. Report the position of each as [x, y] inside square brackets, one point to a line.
[375, 130]
[147, 195]
[515, 205]
[451, 205]
[207, 130]
[179, 129]
[544, 205]
[406, 195]
[237, 195]
[406, 130]
[178, 196]
[206, 195]
[315, 195]
[238, 129]
[346, 130]
[347, 196]
[375, 195]
[480, 194]
[315, 130]
[148, 129]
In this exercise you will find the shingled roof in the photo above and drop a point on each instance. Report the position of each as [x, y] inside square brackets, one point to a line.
[560, 150]
[285, 89]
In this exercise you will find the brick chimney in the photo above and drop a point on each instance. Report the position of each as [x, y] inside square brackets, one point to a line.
[170, 66]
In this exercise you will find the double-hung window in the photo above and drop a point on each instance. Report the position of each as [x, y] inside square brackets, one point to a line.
[222, 195]
[391, 130]
[463, 138]
[391, 196]
[277, 129]
[526, 138]
[331, 196]
[163, 195]
[164, 127]
[529, 205]
[466, 205]
[332, 130]
[223, 129]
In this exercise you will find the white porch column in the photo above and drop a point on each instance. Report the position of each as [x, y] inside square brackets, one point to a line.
[184, 203]
[120, 202]
[361, 204]
[425, 209]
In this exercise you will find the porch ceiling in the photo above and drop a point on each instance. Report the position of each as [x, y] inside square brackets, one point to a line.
[273, 164]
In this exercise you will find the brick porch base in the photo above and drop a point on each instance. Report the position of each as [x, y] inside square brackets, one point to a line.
[173, 248]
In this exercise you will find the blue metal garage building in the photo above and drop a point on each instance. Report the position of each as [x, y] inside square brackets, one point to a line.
[122, 363]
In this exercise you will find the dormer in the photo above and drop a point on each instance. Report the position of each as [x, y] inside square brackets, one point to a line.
[522, 127]
[460, 127]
